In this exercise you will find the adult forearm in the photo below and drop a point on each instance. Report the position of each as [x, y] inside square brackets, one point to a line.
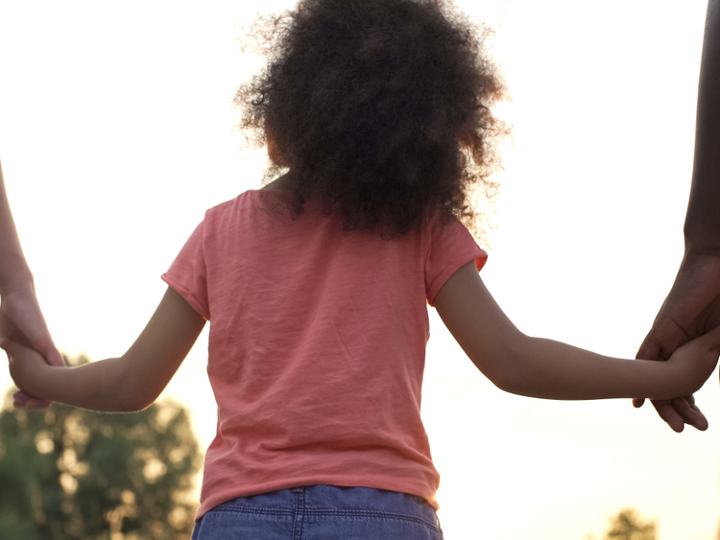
[702, 223]
[14, 271]
[549, 369]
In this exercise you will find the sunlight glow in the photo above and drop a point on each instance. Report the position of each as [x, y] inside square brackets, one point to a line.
[116, 136]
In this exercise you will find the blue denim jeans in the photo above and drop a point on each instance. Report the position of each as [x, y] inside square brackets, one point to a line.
[321, 513]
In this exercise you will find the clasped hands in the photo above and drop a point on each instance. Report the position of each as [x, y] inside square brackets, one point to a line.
[21, 321]
[691, 309]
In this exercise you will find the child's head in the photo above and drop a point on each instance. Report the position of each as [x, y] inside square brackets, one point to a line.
[381, 107]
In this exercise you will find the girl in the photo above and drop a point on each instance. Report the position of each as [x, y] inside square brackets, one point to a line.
[379, 114]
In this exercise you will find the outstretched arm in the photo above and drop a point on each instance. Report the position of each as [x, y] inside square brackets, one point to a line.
[693, 304]
[549, 369]
[129, 383]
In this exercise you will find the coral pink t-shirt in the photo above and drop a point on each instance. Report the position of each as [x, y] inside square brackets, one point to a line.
[316, 347]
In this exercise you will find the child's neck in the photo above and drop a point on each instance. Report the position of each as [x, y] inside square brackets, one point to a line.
[279, 184]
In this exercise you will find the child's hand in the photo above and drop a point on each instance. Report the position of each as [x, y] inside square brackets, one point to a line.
[21, 321]
[696, 360]
[27, 366]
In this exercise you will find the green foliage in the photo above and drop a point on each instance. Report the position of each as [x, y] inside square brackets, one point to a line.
[72, 474]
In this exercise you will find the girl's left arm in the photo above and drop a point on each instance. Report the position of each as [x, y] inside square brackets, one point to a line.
[131, 382]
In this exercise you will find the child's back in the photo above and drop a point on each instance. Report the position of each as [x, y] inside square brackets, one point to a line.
[317, 339]
[317, 345]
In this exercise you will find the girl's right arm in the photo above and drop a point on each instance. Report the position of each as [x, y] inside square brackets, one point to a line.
[549, 369]
[131, 382]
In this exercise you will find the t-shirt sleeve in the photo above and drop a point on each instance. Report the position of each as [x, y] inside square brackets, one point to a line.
[187, 274]
[451, 246]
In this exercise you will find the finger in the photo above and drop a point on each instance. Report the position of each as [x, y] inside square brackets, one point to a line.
[23, 400]
[690, 413]
[53, 356]
[40, 340]
[19, 399]
[29, 321]
[668, 413]
[711, 339]
[36, 403]
[649, 348]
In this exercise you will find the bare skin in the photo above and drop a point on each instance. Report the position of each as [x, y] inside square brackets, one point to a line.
[20, 315]
[693, 305]
[131, 382]
[513, 361]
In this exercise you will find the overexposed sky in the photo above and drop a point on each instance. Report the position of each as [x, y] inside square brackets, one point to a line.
[116, 135]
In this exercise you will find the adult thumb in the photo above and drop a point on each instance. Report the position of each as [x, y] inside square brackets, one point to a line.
[47, 348]
[711, 340]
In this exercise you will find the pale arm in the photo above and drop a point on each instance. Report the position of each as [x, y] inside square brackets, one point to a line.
[129, 383]
[548, 369]
[20, 316]
[14, 271]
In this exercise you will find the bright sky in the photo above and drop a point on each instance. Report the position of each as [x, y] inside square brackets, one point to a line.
[116, 135]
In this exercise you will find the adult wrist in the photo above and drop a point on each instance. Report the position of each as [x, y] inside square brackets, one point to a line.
[16, 278]
[698, 249]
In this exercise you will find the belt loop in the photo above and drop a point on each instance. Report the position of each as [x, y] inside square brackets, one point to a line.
[299, 517]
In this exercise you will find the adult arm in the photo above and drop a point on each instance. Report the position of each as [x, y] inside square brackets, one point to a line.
[20, 315]
[702, 223]
[549, 369]
[14, 271]
[131, 382]
[693, 305]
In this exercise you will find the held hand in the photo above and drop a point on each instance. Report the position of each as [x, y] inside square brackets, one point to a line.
[27, 366]
[21, 320]
[696, 360]
[691, 309]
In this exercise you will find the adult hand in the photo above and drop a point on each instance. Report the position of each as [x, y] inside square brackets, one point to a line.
[691, 309]
[22, 321]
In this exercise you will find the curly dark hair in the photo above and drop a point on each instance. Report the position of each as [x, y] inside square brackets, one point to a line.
[381, 107]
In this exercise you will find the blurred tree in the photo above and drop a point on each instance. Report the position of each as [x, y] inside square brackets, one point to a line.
[628, 525]
[73, 474]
